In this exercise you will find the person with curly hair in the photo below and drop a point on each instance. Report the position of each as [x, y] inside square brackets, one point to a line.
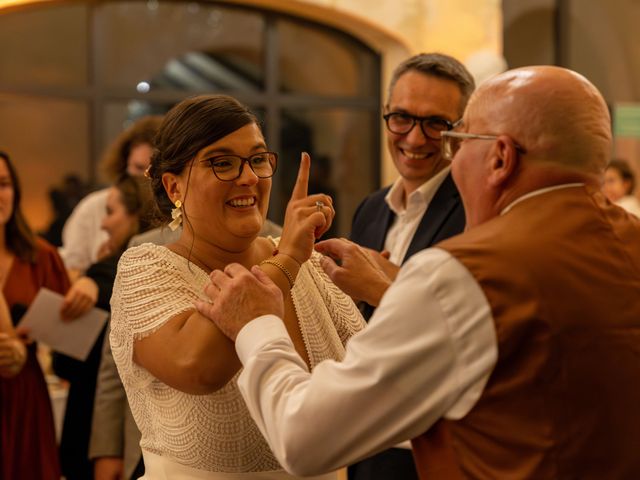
[83, 240]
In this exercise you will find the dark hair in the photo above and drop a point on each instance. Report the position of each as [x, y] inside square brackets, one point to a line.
[187, 128]
[137, 198]
[19, 238]
[624, 170]
[116, 157]
[441, 66]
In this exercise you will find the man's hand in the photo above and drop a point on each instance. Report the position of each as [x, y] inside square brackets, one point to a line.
[81, 297]
[358, 275]
[381, 259]
[108, 468]
[238, 296]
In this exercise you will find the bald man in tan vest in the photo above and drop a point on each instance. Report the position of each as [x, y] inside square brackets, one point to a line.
[521, 335]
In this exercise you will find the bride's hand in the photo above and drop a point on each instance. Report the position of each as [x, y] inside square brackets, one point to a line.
[307, 217]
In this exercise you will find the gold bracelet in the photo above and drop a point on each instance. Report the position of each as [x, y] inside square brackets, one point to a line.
[281, 267]
[278, 252]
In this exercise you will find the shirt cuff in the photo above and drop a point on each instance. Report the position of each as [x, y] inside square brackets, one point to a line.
[258, 333]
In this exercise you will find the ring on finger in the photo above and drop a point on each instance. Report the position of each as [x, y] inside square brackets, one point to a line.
[319, 205]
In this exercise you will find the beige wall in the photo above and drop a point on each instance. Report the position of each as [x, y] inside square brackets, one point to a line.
[598, 39]
[457, 27]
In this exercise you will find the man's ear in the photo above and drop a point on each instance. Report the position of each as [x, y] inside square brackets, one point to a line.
[505, 161]
[172, 186]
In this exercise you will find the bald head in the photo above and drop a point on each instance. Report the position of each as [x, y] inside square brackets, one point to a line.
[556, 114]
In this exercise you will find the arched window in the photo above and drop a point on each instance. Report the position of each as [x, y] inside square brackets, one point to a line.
[72, 74]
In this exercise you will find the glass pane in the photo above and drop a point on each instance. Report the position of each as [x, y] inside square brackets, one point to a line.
[344, 160]
[324, 62]
[44, 46]
[260, 114]
[47, 140]
[183, 46]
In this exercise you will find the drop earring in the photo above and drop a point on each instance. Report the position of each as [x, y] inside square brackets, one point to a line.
[176, 215]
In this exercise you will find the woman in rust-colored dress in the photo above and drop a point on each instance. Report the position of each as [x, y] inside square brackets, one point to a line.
[27, 436]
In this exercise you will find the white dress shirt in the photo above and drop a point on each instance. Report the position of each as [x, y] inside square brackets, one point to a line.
[426, 353]
[408, 214]
[82, 234]
[630, 204]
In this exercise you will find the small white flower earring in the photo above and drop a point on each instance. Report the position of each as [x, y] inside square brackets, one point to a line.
[176, 214]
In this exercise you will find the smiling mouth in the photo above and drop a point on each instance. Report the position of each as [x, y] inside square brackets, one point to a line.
[242, 202]
[416, 155]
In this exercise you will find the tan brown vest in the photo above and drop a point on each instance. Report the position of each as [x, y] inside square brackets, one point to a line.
[561, 272]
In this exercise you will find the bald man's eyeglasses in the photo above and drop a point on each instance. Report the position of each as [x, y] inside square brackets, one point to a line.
[402, 123]
[451, 142]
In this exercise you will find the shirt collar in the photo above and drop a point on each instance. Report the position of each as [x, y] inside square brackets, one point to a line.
[539, 192]
[423, 194]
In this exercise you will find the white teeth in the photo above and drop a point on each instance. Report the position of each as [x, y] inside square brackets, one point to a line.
[415, 156]
[242, 202]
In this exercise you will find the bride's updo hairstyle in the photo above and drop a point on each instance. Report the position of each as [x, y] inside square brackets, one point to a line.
[187, 128]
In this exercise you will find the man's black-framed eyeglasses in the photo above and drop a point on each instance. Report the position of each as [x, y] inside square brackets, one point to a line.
[229, 167]
[402, 123]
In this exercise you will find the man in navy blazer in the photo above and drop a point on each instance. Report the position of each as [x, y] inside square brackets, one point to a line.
[427, 95]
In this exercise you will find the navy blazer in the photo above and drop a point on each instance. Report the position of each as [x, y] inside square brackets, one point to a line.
[444, 218]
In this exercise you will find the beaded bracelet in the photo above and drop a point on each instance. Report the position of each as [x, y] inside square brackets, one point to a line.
[281, 267]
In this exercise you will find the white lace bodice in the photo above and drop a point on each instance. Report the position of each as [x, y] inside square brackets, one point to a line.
[209, 432]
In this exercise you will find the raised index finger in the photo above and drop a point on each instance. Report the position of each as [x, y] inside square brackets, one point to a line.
[302, 182]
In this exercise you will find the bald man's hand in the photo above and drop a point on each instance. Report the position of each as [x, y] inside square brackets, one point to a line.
[358, 274]
[389, 268]
[238, 296]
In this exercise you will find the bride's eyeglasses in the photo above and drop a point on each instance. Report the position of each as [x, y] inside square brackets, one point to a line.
[229, 167]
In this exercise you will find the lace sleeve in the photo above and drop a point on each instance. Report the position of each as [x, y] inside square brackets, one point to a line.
[326, 315]
[151, 287]
[345, 314]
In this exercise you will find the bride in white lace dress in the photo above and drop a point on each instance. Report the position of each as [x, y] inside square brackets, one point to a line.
[211, 171]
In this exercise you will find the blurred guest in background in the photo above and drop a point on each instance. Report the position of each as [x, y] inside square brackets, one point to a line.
[82, 236]
[129, 205]
[619, 185]
[64, 199]
[27, 263]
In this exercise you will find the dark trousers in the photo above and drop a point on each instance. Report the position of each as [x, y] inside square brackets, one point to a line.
[139, 471]
[392, 464]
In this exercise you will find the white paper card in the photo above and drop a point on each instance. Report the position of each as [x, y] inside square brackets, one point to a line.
[74, 338]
